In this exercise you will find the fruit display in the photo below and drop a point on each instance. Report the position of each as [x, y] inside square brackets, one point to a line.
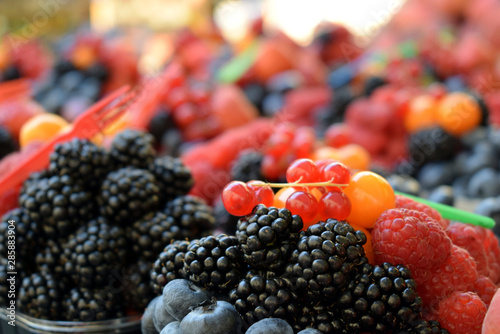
[259, 186]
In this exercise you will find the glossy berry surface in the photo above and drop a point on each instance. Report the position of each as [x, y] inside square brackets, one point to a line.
[302, 170]
[303, 204]
[238, 198]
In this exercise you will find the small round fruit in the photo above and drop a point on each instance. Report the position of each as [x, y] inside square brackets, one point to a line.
[458, 113]
[421, 113]
[354, 156]
[334, 204]
[303, 171]
[41, 127]
[303, 204]
[335, 172]
[238, 198]
[368, 246]
[370, 195]
[263, 192]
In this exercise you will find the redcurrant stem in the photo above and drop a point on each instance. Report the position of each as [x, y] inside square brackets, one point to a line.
[297, 183]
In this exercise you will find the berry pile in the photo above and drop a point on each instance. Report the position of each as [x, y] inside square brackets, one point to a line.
[96, 220]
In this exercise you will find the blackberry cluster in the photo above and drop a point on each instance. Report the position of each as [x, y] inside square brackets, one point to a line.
[318, 316]
[380, 299]
[82, 160]
[133, 148]
[92, 304]
[248, 167]
[4, 284]
[138, 291]
[326, 259]
[40, 296]
[169, 265]
[128, 194]
[214, 262]
[257, 297]
[7, 142]
[94, 252]
[49, 259]
[28, 235]
[149, 235]
[192, 214]
[268, 236]
[174, 178]
[59, 203]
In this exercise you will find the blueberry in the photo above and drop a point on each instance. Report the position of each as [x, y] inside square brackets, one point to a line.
[484, 183]
[455, 83]
[404, 183]
[212, 317]
[180, 295]
[255, 93]
[172, 328]
[147, 321]
[471, 139]
[272, 103]
[490, 207]
[434, 174]
[310, 331]
[460, 185]
[161, 317]
[341, 76]
[71, 80]
[442, 194]
[270, 326]
[284, 81]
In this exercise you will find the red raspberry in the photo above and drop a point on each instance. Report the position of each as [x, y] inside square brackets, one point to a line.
[485, 288]
[407, 203]
[411, 238]
[457, 273]
[462, 312]
[492, 246]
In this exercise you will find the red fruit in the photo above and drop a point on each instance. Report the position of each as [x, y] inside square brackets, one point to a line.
[231, 107]
[303, 171]
[411, 238]
[238, 198]
[338, 135]
[457, 273]
[263, 192]
[485, 288]
[334, 204]
[462, 312]
[368, 114]
[303, 204]
[335, 172]
[407, 203]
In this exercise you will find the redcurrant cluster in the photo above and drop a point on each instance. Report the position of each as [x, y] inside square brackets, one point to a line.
[313, 192]
[287, 143]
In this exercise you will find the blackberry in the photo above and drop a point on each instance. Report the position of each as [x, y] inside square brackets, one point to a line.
[161, 122]
[432, 144]
[84, 304]
[372, 83]
[169, 265]
[149, 235]
[192, 214]
[35, 177]
[49, 259]
[248, 167]
[40, 296]
[173, 177]
[92, 254]
[257, 297]
[27, 235]
[59, 203]
[214, 263]
[379, 300]
[6, 285]
[317, 316]
[138, 292]
[82, 160]
[7, 142]
[267, 237]
[133, 148]
[128, 194]
[326, 258]
[424, 327]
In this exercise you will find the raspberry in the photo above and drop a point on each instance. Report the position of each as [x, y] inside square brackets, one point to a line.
[407, 203]
[457, 273]
[462, 312]
[485, 288]
[411, 238]
[492, 247]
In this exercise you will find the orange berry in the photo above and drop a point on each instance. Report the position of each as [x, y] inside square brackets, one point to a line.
[421, 113]
[354, 156]
[41, 127]
[368, 247]
[458, 113]
[325, 152]
[370, 195]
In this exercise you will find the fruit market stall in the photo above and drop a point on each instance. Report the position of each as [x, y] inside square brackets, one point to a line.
[176, 178]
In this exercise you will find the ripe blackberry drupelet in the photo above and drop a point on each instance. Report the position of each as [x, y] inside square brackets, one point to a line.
[423, 327]
[214, 263]
[192, 214]
[174, 178]
[318, 316]
[133, 148]
[149, 235]
[267, 237]
[128, 194]
[169, 265]
[49, 259]
[326, 259]
[247, 167]
[82, 160]
[93, 252]
[256, 298]
[28, 235]
[380, 300]
[40, 296]
[138, 292]
[84, 304]
[59, 203]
